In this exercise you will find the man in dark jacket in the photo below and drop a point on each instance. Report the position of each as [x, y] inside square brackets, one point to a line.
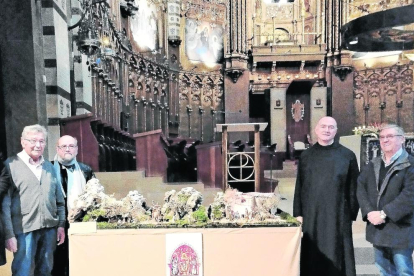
[386, 196]
[73, 176]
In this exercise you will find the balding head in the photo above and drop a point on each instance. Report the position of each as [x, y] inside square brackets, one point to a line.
[67, 148]
[326, 130]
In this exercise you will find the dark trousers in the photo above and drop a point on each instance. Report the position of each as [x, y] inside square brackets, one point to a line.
[61, 258]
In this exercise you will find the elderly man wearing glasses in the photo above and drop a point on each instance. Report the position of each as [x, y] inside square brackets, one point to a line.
[386, 196]
[33, 213]
[73, 176]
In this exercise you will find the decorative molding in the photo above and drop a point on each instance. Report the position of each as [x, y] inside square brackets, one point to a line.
[234, 73]
[212, 11]
[342, 71]
[281, 12]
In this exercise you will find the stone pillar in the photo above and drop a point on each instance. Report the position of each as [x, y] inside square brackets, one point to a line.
[236, 83]
[343, 104]
[278, 118]
[57, 62]
[22, 71]
[318, 108]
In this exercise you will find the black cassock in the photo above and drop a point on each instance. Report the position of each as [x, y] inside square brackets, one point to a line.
[325, 196]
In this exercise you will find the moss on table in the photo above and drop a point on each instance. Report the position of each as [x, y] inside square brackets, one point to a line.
[286, 220]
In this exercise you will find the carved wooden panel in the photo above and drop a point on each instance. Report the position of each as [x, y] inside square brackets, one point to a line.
[384, 95]
[200, 104]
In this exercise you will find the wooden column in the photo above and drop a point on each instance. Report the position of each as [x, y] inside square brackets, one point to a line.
[256, 158]
[224, 156]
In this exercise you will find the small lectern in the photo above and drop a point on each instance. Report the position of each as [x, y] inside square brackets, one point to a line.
[243, 127]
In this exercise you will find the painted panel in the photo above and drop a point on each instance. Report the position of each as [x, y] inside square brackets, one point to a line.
[144, 25]
[203, 41]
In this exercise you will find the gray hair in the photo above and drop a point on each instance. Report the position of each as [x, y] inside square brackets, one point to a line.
[397, 128]
[34, 129]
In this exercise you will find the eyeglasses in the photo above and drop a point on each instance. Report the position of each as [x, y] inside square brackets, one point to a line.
[67, 147]
[389, 136]
[34, 141]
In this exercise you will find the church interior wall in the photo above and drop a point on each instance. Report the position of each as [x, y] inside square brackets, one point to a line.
[384, 94]
[22, 80]
[143, 80]
[342, 104]
[56, 54]
[80, 67]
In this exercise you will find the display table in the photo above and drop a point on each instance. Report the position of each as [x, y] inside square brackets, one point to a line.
[227, 251]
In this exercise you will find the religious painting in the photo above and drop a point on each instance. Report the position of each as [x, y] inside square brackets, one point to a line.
[203, 41]
[184, 254]
[144, 25]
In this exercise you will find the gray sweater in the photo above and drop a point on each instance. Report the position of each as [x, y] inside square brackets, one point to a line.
[31, 204]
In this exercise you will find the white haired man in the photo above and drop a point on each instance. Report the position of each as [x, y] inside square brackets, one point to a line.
[33, 210]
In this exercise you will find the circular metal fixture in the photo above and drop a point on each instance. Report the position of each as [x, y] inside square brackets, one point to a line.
[380, 31]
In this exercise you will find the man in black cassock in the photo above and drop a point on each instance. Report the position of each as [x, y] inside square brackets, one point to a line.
[325, 202]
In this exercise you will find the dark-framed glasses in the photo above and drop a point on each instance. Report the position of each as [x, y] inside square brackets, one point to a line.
[389, 136]
[63, 147]
[34, 141]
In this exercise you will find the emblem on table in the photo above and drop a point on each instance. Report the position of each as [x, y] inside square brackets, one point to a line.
[184, 261]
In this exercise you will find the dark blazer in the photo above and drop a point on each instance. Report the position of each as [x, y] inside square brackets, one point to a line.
[4, 186]
[86, 171]
[396, 198]
[61, 257]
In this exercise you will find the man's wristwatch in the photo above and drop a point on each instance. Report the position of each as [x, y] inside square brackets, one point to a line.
[383, 215]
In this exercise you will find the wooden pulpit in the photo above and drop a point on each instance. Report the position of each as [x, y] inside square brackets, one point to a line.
[242, 127]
